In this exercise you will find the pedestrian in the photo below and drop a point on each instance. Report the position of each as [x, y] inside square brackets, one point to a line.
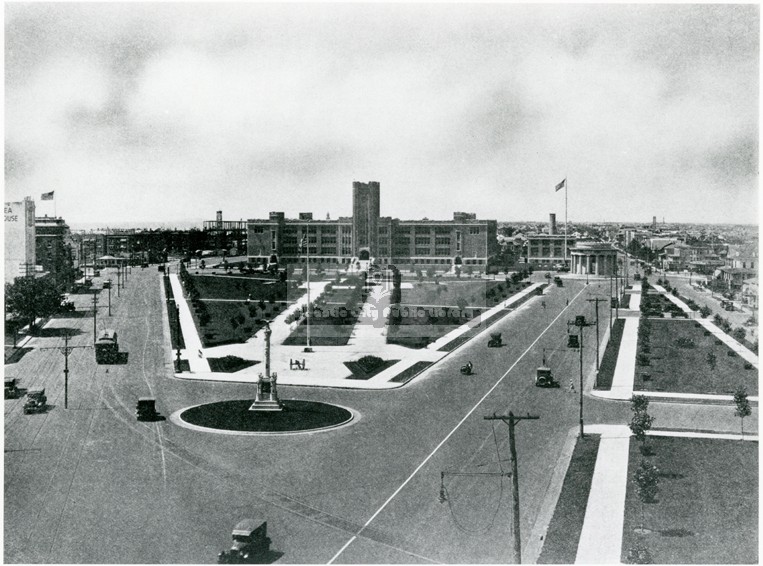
[572, 386]
[567, 302]
[200, 354]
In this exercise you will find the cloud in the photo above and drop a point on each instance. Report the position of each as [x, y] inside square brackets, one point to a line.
[482, 107]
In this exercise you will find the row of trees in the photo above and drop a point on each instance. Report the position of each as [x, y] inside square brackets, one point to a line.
[30, 298]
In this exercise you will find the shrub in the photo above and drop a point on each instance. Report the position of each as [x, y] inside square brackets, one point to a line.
[370, 363]
[684, 342]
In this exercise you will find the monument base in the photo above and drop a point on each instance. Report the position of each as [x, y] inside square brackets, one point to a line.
[268, 406]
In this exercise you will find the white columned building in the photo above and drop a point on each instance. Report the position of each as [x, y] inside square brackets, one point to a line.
[593, 258]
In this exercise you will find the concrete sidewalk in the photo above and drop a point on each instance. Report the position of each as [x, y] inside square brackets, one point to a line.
[676, 301]
[193, 348]
[601, 538]
[625, 368]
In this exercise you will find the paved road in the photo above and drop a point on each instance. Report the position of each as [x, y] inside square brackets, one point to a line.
[91, 484]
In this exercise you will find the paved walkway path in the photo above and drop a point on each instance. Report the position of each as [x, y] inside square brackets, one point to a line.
[602, 534]
[193, 348]
[635, 302]
[676, 301]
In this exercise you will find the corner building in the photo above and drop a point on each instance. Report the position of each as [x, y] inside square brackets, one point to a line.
[465, 240]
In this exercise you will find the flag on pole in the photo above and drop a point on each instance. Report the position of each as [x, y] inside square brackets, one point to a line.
[562, 184]
[47, 196]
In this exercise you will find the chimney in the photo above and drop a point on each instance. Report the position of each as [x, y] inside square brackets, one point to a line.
[219, 218]
[552, 224]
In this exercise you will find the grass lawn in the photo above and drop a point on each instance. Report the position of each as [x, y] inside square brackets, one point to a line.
[563, 534]
[419, 326]
[221, 328]
[229, 364]
[609, 359]
[480, 293]
[239, 288]
[333, 323]
[686, 370]
[358, 372]
[706, 510]
[472, 332]
[408, 374]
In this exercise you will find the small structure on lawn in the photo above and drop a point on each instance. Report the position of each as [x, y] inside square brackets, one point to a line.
[266, 397]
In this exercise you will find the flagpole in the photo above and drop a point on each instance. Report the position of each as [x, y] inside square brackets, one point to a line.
[307, 241]
[566, 182]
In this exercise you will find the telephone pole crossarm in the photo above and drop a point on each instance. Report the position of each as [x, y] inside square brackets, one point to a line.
[512, 420]
[65, 350]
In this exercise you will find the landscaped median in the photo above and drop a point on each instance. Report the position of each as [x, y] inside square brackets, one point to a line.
[674, 358]
[701, 506]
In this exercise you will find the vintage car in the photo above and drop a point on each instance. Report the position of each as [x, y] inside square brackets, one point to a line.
[146, 409]
[544, 378]
[36, 401]
[495, 340]
[558, 281]
[250, 541]
[11, 389]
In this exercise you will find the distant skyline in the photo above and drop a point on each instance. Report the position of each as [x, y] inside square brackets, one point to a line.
[166, 112]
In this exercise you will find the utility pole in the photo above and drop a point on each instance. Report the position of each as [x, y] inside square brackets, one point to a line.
[514, 477]
[109, 297]
[597, 300]
[66, 350]
[95, 314]
[581, 323]
[610, 303]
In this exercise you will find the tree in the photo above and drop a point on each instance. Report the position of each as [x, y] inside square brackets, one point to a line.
[29, 298]
[640, 424]
[742, 405]
[705, 311]
[739, 334]
[712, 360]
[639, 403]
[647, 479]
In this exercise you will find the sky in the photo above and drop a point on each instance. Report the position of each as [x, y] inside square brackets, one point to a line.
[168, 112]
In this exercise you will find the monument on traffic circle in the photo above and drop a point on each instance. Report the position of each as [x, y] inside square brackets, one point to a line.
[266, 397]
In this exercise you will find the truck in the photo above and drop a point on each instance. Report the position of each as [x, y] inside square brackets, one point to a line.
[107, 347]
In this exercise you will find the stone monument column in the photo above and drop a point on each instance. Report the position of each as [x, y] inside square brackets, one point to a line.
[266, 395]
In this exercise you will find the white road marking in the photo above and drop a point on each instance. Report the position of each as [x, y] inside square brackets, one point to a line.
[444, 440]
